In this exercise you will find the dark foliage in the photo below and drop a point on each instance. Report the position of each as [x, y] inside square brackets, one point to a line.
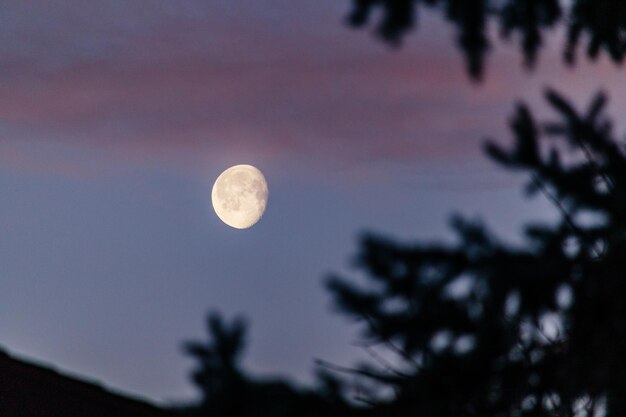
[218, 375]
[227, 391]
[595, 25]
[480, 328]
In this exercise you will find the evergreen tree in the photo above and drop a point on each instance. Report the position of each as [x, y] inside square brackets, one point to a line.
[227, 391]
[601, 23]
[218, 375]
[482, 328]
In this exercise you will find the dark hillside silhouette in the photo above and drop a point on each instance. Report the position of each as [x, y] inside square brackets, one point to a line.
[595, 26]
[481, 328]
[31, 390]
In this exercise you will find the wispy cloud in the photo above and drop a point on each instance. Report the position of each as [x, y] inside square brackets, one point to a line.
[148, 79]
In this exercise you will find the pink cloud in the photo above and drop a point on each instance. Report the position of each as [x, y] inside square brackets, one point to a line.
[168, 83]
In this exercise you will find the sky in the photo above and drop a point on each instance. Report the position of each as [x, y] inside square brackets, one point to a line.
[116, 117]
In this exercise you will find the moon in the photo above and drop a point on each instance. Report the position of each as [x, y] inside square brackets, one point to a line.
[239, 196]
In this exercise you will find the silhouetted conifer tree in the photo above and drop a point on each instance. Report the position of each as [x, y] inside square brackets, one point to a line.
[601, 23]
[481, 328]
[227, 391]
[218, 375]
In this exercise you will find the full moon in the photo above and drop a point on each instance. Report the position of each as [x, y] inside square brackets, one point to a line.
[239, 196]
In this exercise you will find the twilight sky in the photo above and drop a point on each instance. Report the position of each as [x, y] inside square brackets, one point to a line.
[117, 116]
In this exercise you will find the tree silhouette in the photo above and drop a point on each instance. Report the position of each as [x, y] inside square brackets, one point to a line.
[481, 328]
[227, 391]
[601, 22]
[219, 377]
